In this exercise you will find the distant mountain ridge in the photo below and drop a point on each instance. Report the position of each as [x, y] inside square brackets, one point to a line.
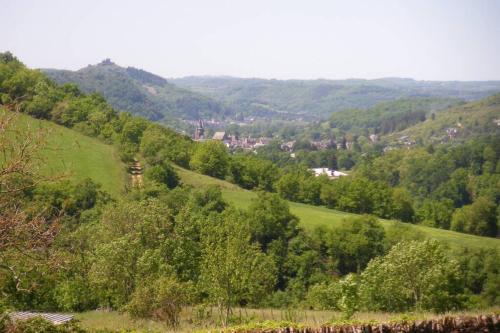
[141, 93]
[319, 98]
[211, 97]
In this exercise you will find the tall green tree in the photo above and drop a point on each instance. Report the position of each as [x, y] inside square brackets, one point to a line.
[413, 275]
[233, 270]
[478, 218]
[210, 158]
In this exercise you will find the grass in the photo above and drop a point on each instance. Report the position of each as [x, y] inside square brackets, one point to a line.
[314, 216]
[113, 320]
[76, 156]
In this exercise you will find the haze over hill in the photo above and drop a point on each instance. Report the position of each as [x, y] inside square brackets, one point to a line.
[140, 93]
[318, 98]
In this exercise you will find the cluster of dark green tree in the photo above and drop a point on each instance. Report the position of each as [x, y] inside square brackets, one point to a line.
[388, 117]
[450, 187]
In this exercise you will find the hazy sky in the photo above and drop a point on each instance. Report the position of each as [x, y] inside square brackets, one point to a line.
[428, 40]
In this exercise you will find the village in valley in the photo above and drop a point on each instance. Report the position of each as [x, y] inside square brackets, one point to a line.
[233, 142]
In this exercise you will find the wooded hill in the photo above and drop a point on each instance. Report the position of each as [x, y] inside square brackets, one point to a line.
[313, 99]
[456, 123]
[140, 93]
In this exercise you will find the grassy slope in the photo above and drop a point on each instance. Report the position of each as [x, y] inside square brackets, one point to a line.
[77, 156]
[312, 216]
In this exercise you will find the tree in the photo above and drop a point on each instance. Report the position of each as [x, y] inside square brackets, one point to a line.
[356, 242]
[163, 174]
[161, 145]
[402, 206]
[413, 275]
[348, 302]
[271, 220]
[114, 271]
[210, 158]
[436, 213]
[479, 218]
[25, 235]
[323, 296]
[161, 300]
[233, 270]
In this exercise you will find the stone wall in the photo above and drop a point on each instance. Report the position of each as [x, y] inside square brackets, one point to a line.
[483, 323]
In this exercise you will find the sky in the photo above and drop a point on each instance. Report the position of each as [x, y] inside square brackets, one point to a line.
[282, 39]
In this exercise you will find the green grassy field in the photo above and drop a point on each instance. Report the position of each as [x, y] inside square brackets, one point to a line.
[313, 216]
[76, 156]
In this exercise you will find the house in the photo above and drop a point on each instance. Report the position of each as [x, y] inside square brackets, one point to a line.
[322, 144]
[373, 138]
[332, 174]
[452, 132]
[220, 136]
[287, 146]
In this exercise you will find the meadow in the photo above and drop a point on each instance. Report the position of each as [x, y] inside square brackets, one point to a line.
[74, 156]
[314, 216]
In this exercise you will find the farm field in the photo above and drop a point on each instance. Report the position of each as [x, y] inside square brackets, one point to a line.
[76, 156]
[313, 216]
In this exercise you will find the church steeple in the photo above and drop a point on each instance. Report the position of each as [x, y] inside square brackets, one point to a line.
[200, 131]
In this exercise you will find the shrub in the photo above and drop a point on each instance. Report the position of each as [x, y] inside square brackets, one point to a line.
[161, 300]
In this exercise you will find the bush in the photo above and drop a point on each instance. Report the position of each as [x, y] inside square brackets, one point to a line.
[323, 296]
[163, 174]
[161, 300]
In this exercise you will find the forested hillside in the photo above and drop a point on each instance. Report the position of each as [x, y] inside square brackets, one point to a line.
[313, 99]
[388, 117]
[172, 243]
[141, 93]
[457, 123]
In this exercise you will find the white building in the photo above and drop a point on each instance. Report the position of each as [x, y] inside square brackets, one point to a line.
[333, 174]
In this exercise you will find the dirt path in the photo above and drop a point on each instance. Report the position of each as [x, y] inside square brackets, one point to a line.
[135, 169]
